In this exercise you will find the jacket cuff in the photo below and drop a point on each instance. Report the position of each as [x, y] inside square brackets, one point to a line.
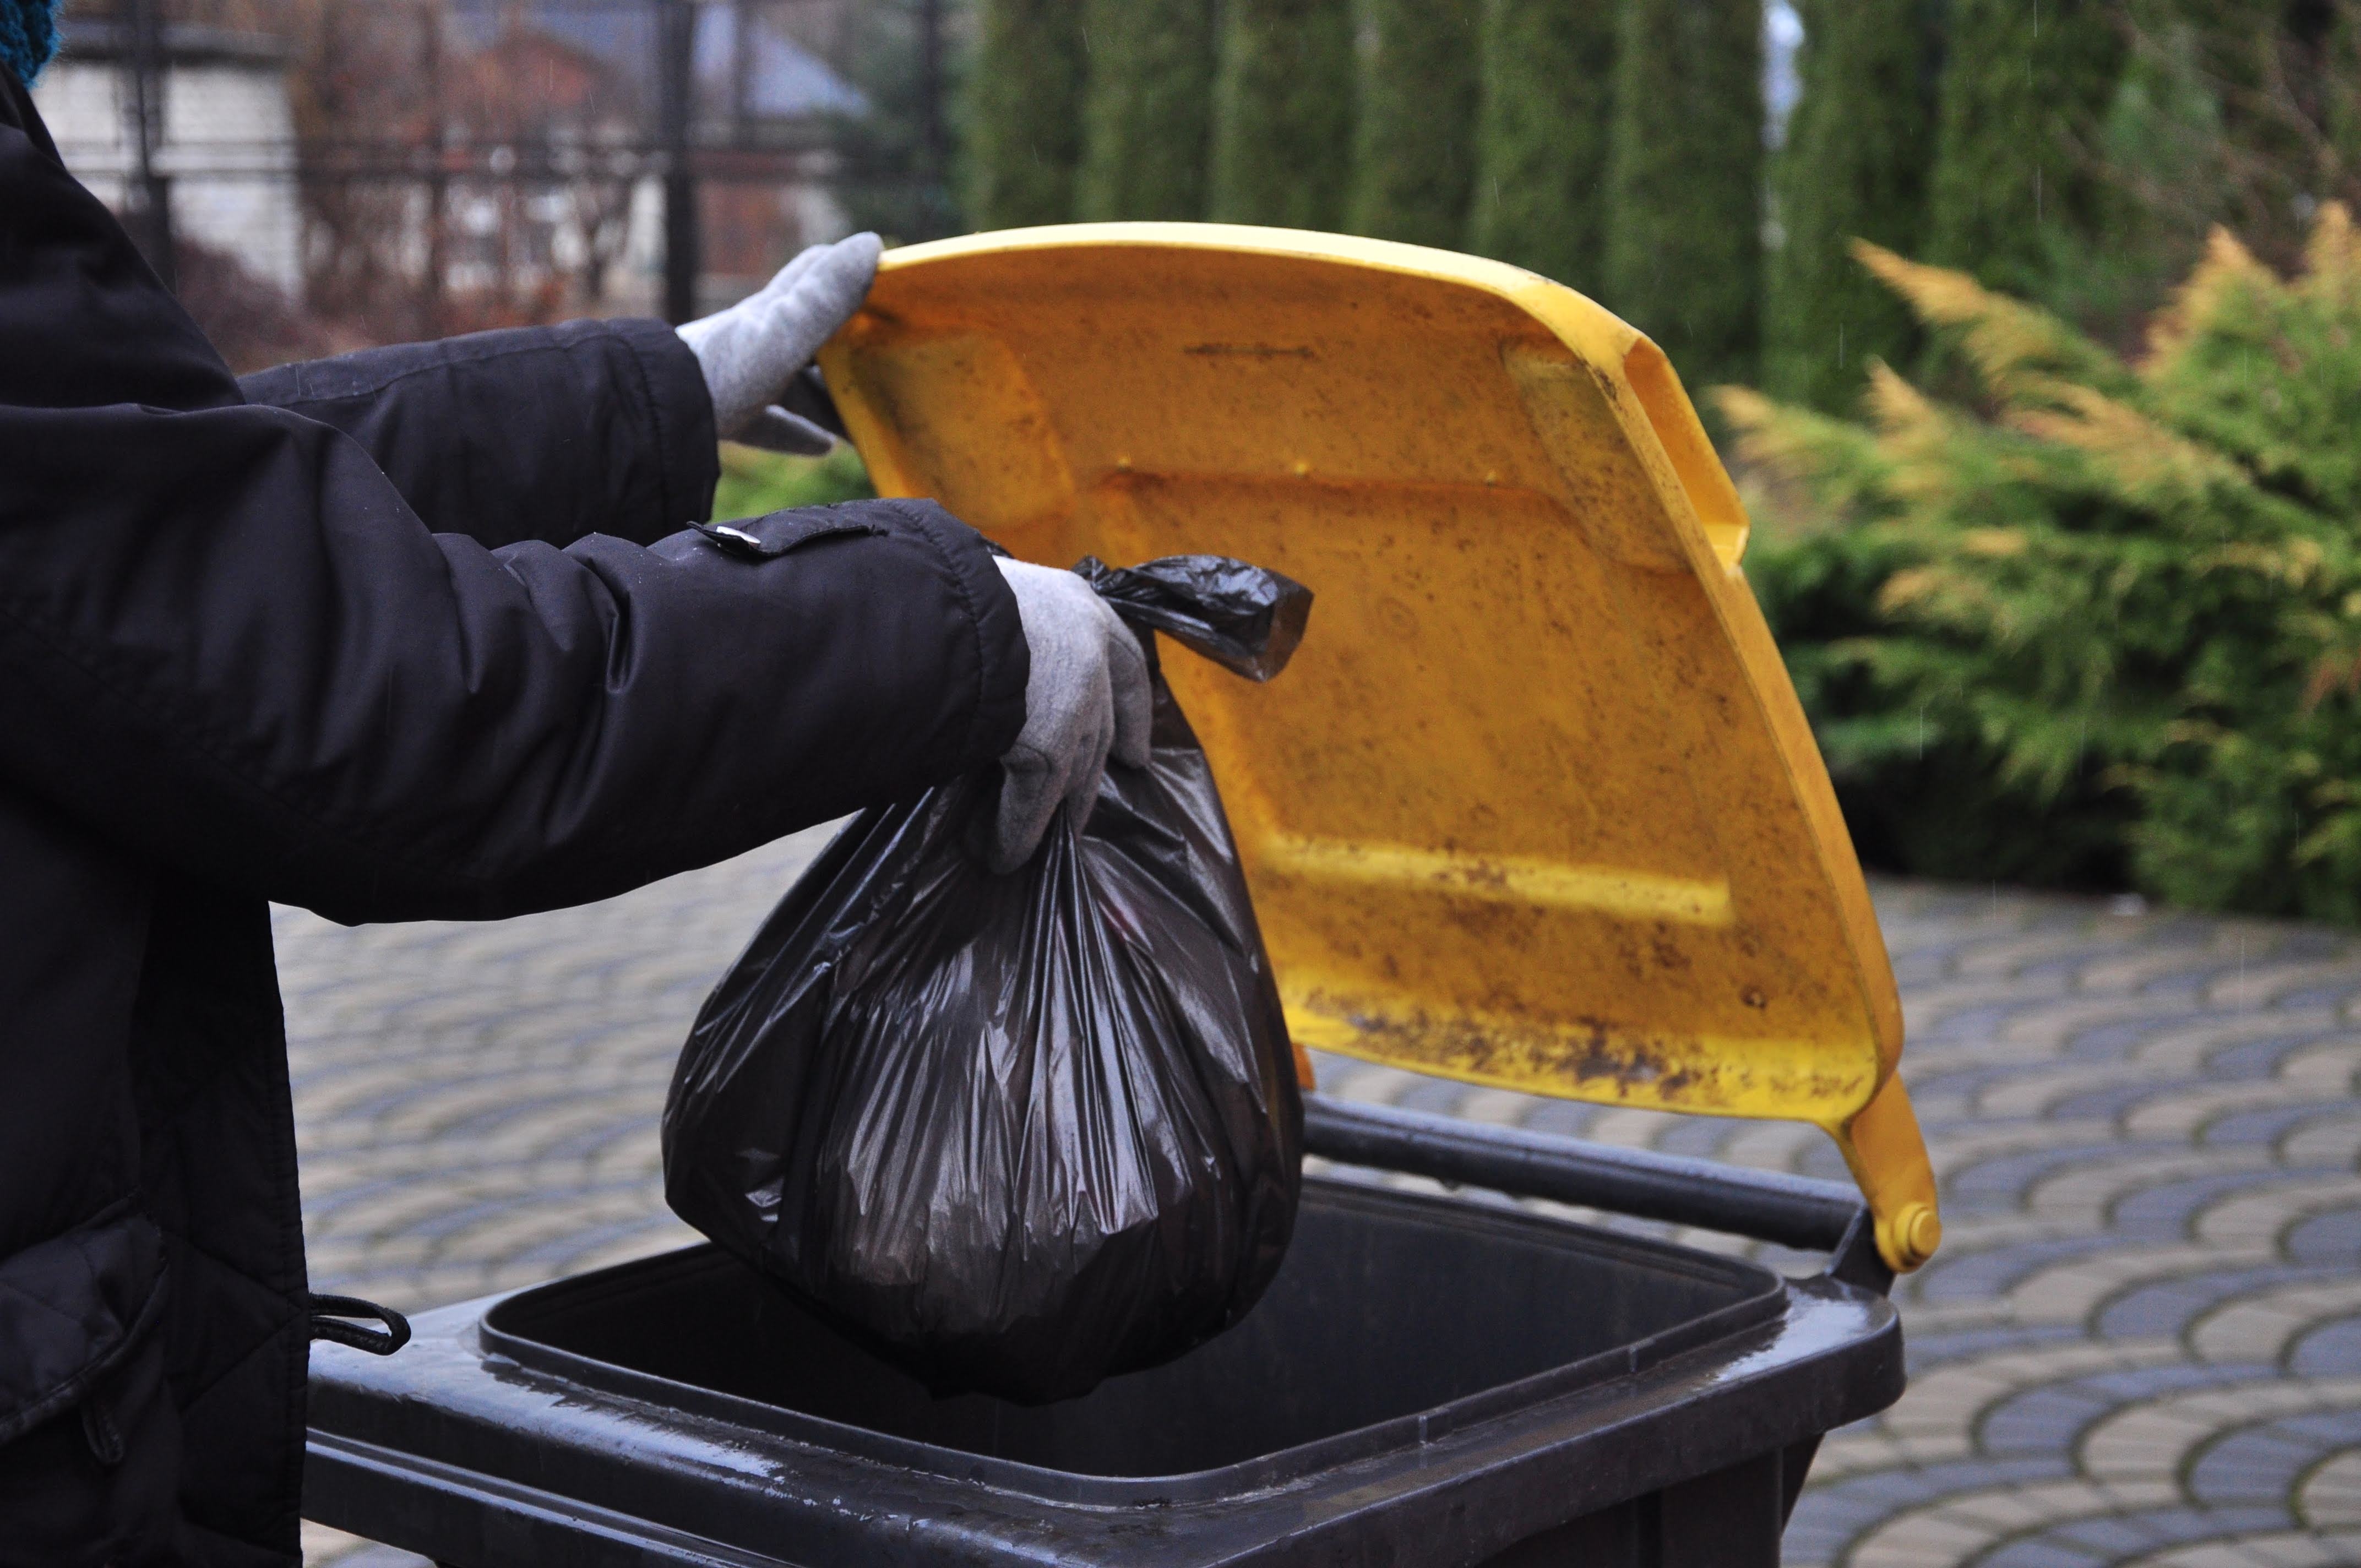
[1004, 661]
[680, 412]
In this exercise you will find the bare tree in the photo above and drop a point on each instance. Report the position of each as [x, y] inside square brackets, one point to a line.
[367, 90]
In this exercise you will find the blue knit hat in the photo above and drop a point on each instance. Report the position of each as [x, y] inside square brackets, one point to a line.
[28, 36]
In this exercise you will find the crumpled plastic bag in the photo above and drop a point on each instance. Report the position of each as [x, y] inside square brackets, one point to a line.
[1016, 1133]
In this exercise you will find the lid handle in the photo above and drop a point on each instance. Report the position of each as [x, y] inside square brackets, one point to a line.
[1772, 1206]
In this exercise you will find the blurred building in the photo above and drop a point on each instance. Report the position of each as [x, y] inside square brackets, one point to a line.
[226, 146]
[379, 169]
[558, 104]
[759, 93]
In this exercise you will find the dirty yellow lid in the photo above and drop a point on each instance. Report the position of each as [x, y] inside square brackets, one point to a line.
[1535, 804]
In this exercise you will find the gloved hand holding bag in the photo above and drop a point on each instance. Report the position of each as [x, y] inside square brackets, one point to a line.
[1019, 1130]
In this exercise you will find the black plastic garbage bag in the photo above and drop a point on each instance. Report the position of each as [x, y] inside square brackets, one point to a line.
[1018, 1132]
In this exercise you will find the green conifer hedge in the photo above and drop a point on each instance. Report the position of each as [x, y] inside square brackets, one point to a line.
[1024, 113]
[1684, 184]
[2016, 190]
[1546, 88]
[1413, 146]
[2099, 621]
[1854, 167]
[1146, 110]
[1283, 113]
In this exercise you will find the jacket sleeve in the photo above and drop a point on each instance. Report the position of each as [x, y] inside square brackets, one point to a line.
[229, 641]
[225, 638]
[540, 432]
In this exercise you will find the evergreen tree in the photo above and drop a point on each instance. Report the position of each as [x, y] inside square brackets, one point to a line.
[1684, 184]
[1146, 110]
[2270, 74]
[1283, 113]
[1024, 132]
[889, 175]
[2174, 149]
[1545, 90]
[2341, 92]
[1854, 167]
[1413, 148]
[2015, 189]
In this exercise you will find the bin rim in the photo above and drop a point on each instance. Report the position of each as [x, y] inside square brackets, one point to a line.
[1155, 387]
[505, 1330]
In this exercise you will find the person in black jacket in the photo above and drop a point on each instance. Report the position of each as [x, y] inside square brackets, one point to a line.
[416, 633]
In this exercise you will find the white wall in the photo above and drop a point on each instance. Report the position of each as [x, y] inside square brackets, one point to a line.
[229, 145]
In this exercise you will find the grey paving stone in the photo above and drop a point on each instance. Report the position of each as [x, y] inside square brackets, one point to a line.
[2333, 1237]
[2266, 1125]
[1980, 1276]
[1927, 1351]
[2164, 1309]
[2043, 1421]
[2051, 1418]
[2262, 1464]
[2044, 1552]
[2249, 1059]
[2334, 1349]
[2109, 1042]
[1832, 1515]
[2124, 1536]
[1998, 1185]
[2141, 1383]
[2114, 1537]
[2163, 1212]
[2326, 995]
[1972, 1024]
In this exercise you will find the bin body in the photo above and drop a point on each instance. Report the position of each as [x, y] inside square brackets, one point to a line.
[1440, 1381]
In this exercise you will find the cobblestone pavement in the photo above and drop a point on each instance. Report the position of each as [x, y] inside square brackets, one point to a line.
[2141, 1343]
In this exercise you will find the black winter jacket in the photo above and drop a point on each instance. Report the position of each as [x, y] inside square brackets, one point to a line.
[407, 634]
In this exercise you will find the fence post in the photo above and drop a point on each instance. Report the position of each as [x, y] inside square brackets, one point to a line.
[143, 51]
[438, 177]
[677, 55]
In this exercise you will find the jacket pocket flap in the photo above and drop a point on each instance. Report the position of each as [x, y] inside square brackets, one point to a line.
[780, 532]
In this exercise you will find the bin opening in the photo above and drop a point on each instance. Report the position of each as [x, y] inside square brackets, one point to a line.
[1336, 1357]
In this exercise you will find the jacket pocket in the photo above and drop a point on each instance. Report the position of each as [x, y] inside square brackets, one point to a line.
[97, 1485]
[71, 1308]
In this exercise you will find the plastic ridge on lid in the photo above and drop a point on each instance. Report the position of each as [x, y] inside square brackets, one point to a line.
[1537, 807]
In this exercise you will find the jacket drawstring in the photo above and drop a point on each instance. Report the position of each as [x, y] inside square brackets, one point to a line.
[328, 1311]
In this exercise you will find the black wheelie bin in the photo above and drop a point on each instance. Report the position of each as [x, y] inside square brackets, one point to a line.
[1535, 808]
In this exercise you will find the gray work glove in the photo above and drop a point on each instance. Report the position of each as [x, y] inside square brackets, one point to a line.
[757, 355]
[1088, 695]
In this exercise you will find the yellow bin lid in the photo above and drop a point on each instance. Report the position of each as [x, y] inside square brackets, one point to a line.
[1535, 804]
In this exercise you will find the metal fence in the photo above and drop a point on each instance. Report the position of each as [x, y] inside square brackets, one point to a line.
[314, 173]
